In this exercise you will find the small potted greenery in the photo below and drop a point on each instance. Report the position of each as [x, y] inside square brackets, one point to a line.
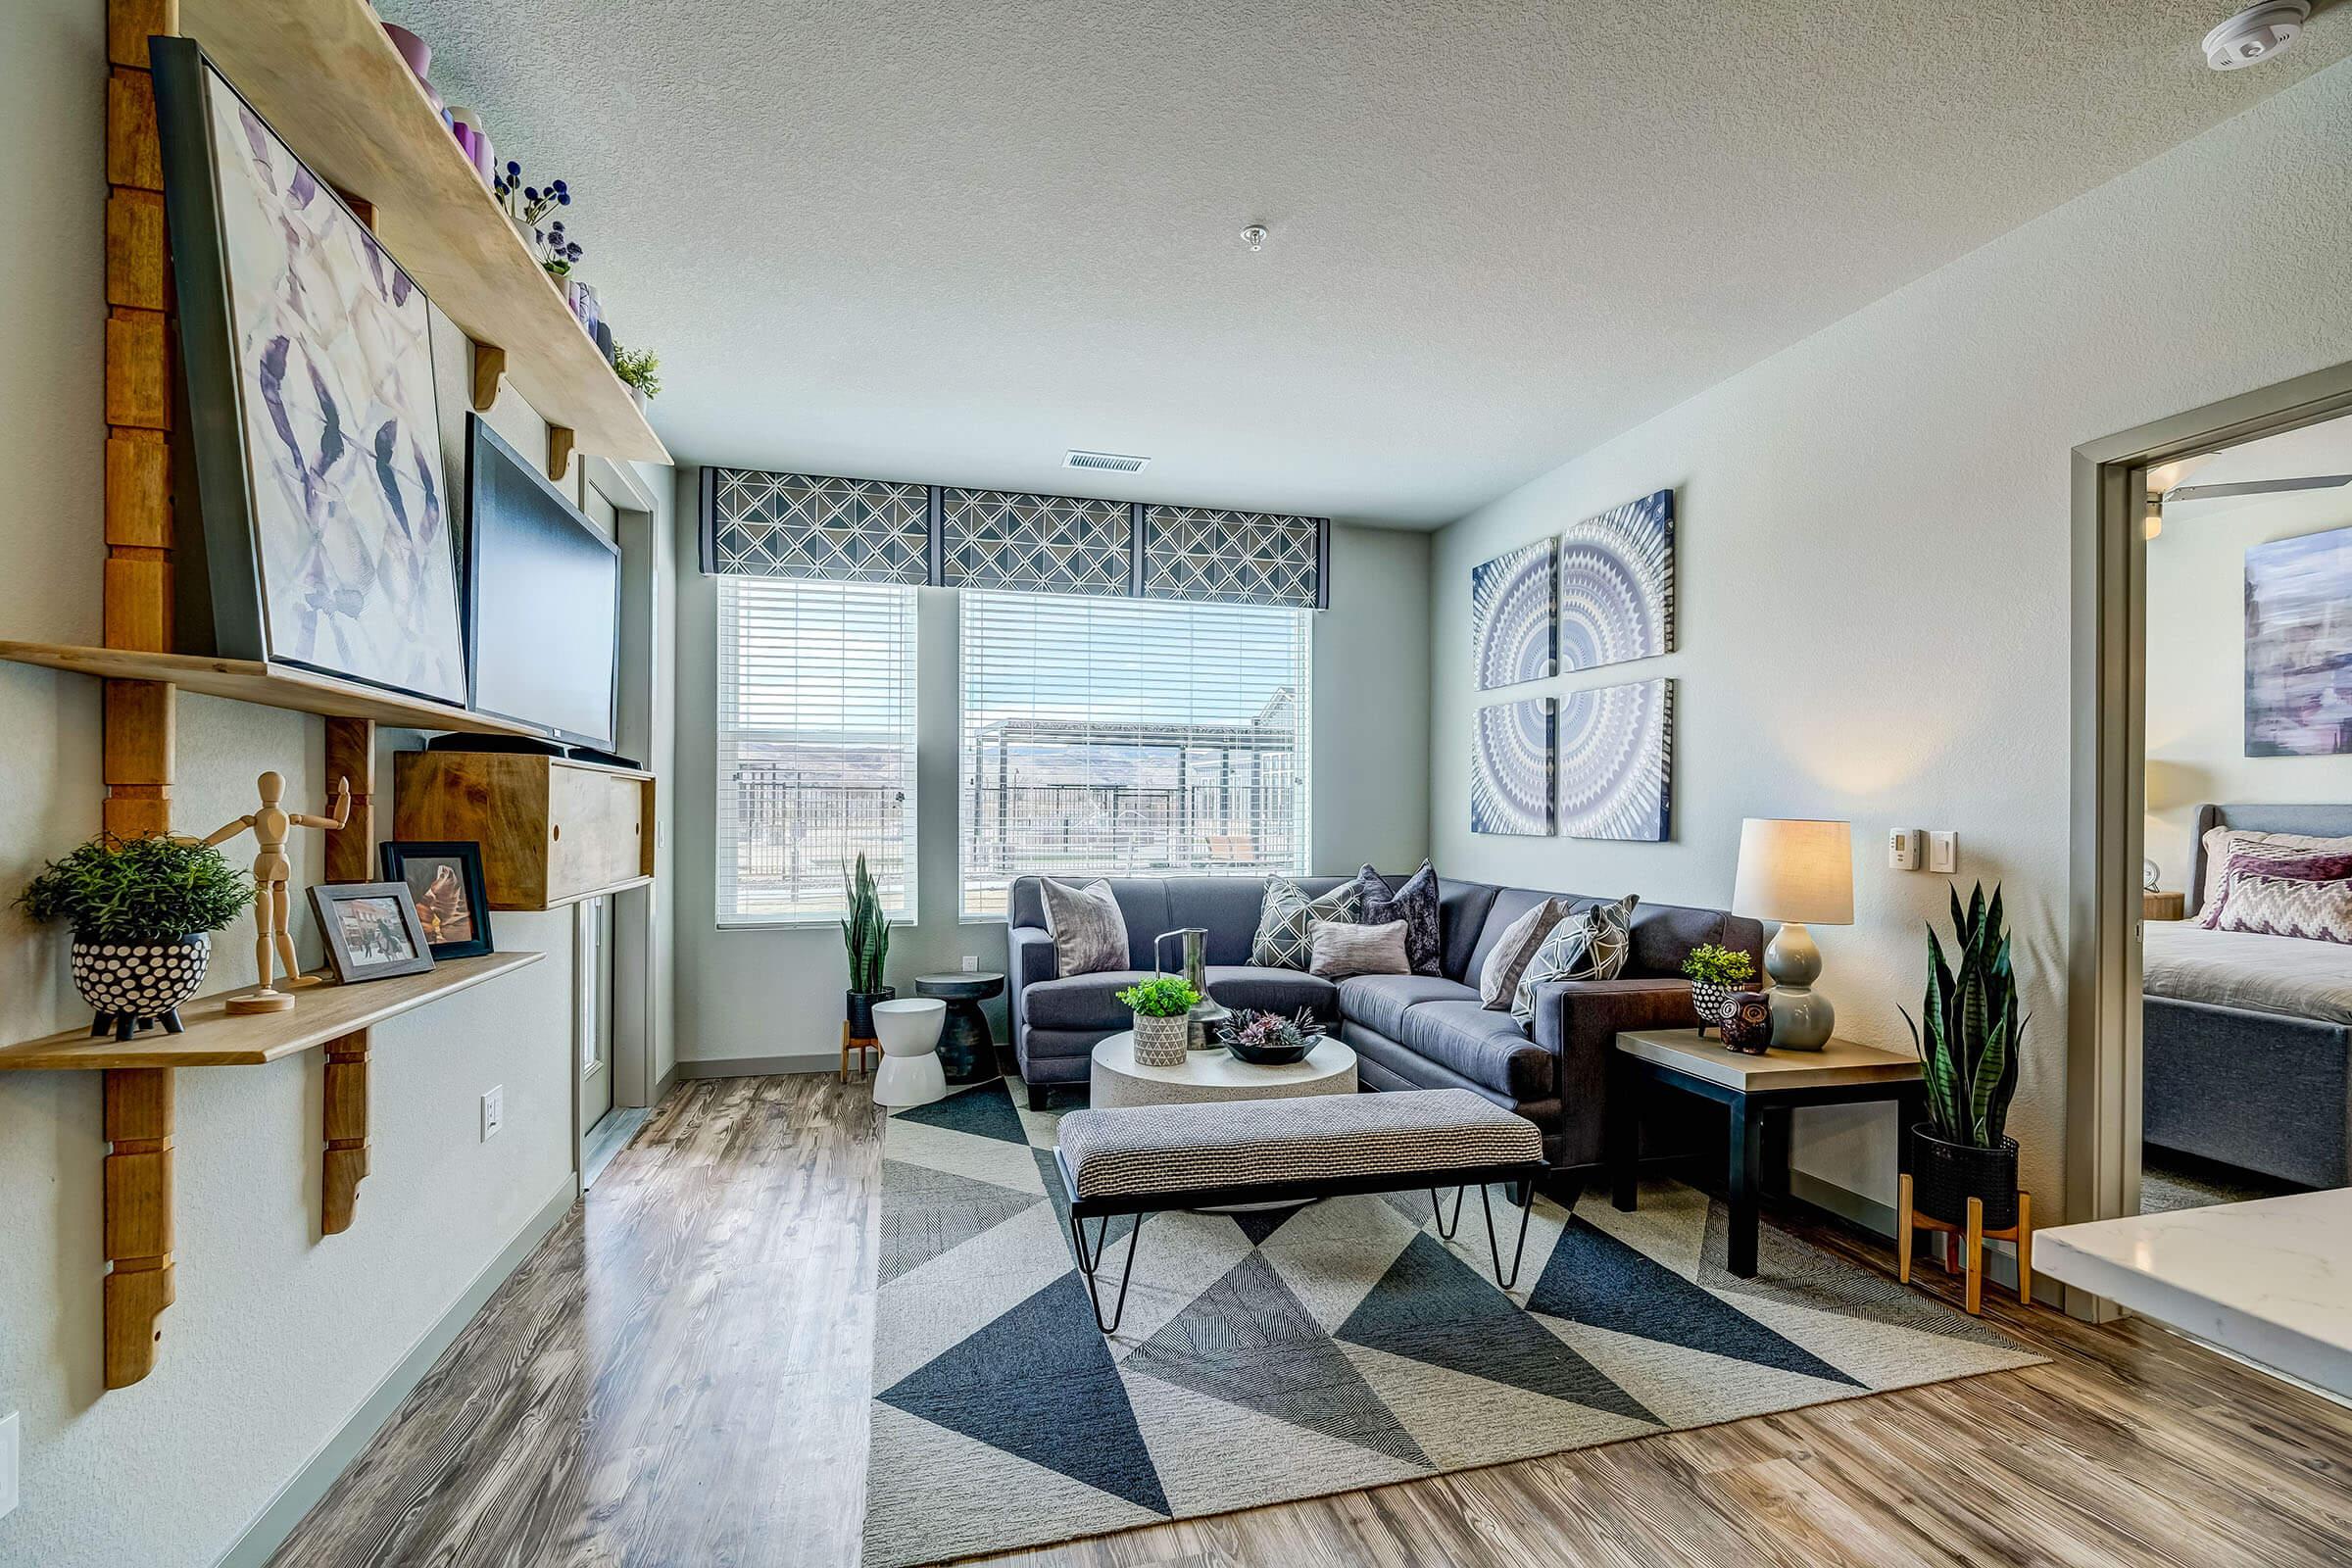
[865, 932]
[1270, 1039]
[1163, 1026]
[143, 911]
[1968, 1036]
[1715, 974]
[640, 370]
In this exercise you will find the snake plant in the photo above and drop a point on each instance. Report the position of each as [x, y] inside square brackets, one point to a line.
[1968, 1033]
[865, 931]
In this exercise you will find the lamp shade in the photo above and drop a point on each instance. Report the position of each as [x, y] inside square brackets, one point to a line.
[1795, 871]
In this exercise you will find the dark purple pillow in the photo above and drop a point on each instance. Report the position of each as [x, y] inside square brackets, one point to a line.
[2286, 865]
[1415, 904]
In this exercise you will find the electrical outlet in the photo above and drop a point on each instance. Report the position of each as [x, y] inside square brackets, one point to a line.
[971, 964]
[494, 1111]
[10, 1445]
[1944, 851]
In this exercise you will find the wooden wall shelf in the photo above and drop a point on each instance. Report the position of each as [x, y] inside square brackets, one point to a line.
[216, 1039]
[552, 831]
[324, 74]
[271, 685]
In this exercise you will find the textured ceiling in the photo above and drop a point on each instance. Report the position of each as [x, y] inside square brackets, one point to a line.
[946, 241]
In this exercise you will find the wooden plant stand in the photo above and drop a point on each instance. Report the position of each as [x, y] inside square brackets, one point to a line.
[1966, 1249]
[862, 1042]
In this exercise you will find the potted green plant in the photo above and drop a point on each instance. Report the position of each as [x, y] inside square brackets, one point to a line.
[865, 932]
[143, 911]
[1714, 974]
[640, 370]
[1969, 1038]
[1163, 1028]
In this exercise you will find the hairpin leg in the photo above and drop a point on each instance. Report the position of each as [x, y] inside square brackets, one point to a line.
[1090, 1260]
[1527, 1206]
[1447, 1227]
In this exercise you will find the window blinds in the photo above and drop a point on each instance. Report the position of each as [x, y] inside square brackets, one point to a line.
[1115, 736]
[815, 746]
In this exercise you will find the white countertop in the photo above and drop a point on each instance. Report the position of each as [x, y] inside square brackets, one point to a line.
[2270, 1280]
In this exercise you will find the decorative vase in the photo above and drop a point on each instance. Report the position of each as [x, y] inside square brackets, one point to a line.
[134, 984]
[1162, 1041]
[1945, 1175]
[861, 1010]
[1708, 998]
[1748, 1022]
[414, 51]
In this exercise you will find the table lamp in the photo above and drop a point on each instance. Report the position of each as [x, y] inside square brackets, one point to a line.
[1798, 873]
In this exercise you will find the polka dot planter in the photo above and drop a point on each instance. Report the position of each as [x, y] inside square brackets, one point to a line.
[135, 984]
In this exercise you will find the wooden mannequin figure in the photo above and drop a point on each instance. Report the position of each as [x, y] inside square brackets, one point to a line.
[270, 826]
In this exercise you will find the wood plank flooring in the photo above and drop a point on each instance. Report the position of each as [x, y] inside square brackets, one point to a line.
[678, 1376]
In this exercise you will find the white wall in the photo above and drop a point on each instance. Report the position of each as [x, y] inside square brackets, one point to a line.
[278, 1336]
[1874, 558]
[751, 999]
[2197, 670]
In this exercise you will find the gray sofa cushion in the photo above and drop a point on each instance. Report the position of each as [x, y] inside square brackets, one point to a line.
[1143, 902]
[1283, 991]
[1225, 907]
[1081, 1000]
[1462, 909]
[1378, 1000]
[1090, 935]
[1485, 1046]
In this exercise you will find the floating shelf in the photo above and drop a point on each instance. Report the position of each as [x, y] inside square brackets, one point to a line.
[216, 1039]
[324, 74]
[272, 685]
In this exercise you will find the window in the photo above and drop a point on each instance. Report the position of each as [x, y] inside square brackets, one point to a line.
[1109, 736]
[815, 747]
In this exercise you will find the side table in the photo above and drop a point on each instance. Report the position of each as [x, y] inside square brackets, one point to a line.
[965, 1048]
[1759, 1091]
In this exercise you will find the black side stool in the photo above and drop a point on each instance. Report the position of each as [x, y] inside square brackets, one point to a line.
[967, 1050]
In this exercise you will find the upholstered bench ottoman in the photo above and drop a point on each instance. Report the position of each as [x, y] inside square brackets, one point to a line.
[1145, 1159]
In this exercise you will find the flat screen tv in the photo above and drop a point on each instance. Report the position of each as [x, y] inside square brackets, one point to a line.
[542, 599]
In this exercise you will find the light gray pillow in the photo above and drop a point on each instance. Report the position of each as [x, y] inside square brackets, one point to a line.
[1340, 950]
[1089, 933]
[1514, 949]
[1283, 918]
[1593, 944]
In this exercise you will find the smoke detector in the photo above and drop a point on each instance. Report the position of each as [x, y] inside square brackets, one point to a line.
[2256, 33]
[1104, 461]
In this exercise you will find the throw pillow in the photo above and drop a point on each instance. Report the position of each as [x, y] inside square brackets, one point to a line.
[2223, 845]
[1340, 950]
[2285, 906]
[1283, 918]
[1593, 944]
[1514, 949]
[1089, 933]
[1415, 904]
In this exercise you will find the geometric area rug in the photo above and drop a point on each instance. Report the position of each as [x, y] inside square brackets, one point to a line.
[1266, 1357]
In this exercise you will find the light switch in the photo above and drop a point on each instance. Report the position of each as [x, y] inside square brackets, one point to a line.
[494, 1111]
[10, 1445]
[971, 964]
[1944, 851]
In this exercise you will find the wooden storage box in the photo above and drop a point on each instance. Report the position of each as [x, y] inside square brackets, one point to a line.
[553, 832]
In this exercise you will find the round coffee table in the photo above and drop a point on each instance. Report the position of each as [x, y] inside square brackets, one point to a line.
[965, 1048]
[1118, 1079]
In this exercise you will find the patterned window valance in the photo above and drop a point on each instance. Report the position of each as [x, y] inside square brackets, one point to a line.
[869, 530]
[1041, 544]
[1235, 558]
[805, 526]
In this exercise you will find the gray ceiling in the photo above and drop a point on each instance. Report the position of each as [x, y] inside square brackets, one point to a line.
[946, 241]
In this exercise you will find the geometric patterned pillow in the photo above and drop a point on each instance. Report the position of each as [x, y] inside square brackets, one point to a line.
[2281, 906]
[1283, 919]
[2224, 845]
[1591, 943]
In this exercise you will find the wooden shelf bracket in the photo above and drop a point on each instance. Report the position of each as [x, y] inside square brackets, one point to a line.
[137, 1218]
[489, 369]
[559, 438]
[345, 1161]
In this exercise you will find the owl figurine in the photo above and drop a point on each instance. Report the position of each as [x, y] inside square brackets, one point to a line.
[1747, 1023]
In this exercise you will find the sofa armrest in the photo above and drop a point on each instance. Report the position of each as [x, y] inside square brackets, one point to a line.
[1032, 955]
[1579, 1021]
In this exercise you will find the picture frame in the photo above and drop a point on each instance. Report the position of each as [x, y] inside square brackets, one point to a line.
[328, 525]
[372, 930]
[444, 879]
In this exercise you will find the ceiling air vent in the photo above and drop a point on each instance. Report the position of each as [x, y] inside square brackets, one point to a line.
[1104, 461]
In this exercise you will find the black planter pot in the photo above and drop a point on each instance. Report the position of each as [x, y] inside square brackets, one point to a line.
[1945, 1175]
[861, 1010]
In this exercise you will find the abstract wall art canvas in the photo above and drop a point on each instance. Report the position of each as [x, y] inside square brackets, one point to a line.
[1512, 617]
[2299, 646]
[316, 424]
[1616, 763]
[1617, 585]
[1510, 769]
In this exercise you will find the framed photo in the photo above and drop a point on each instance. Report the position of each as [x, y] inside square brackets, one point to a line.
[445, 881]
[372, 930]
[313, 416]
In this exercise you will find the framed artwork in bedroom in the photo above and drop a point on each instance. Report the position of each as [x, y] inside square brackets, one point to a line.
[2299, 646]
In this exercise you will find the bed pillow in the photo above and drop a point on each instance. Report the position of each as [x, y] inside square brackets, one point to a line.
[1341, 950]
[1090, 935]
[1514, 951]
[2287, 907]
[1415, 904]
[2222, 845]
[1287, 913]
[1591, 943]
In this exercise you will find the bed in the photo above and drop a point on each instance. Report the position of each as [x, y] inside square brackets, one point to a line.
[2247, 1040]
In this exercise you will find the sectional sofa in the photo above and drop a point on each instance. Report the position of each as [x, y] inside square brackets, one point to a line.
[1408, 1031]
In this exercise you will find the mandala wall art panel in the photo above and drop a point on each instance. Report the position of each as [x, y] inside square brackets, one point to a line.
[1510, 768]
[1617, 585]
[1616, 763]
[1512, 617]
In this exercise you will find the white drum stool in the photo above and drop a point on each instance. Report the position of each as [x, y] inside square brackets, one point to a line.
[910, 1074]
